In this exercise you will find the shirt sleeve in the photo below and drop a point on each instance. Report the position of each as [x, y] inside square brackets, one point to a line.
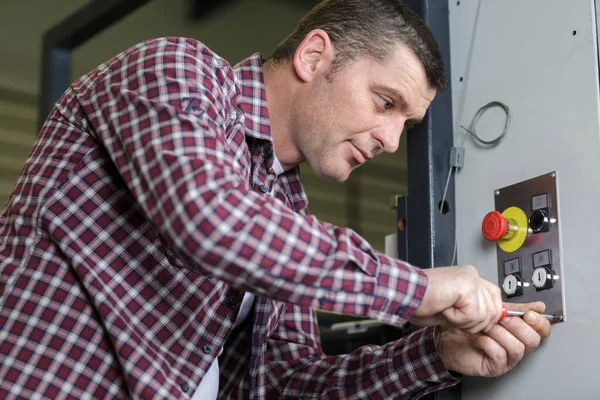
[160, 110]
[296, 366]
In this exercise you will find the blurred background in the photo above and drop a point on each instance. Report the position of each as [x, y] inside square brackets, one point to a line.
[234, 29]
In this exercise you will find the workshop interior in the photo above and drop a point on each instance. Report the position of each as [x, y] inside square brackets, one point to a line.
[503, 173]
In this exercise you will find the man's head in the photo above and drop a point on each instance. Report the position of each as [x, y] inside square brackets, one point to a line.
[361, 70]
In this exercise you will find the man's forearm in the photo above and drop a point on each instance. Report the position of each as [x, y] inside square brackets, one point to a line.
[407, 368]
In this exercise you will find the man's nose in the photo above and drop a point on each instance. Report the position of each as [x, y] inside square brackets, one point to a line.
[389, 137]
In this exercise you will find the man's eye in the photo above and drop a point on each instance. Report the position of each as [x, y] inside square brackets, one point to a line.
[385, 103]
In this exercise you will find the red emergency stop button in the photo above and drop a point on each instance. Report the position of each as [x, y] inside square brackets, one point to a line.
[494, 226]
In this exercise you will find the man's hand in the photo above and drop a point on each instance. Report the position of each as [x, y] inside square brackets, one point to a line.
[459, 297]
[496, 352]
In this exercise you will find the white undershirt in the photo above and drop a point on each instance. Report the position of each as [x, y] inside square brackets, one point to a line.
[209, 386]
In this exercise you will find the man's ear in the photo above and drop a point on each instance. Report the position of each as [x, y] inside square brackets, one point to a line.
[314, 55]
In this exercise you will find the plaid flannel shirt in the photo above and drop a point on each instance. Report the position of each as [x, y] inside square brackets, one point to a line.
[141, 217]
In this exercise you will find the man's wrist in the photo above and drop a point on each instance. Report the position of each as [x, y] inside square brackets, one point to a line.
[399, 291]
[438, 339]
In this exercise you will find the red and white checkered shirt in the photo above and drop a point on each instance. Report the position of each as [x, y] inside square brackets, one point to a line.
[141, 217]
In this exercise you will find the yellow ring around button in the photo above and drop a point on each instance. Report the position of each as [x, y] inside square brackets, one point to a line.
[514, 243]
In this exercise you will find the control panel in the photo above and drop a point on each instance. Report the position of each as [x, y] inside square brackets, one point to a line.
[526, 227]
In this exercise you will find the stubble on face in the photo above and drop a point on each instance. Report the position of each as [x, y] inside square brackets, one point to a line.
[314, 127]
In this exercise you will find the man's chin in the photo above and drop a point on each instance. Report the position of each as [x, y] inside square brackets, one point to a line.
[338, 175]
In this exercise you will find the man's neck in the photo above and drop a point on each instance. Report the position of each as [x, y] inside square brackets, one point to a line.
[279, 88]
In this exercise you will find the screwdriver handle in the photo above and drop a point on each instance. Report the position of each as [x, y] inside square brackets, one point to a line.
[504, 312]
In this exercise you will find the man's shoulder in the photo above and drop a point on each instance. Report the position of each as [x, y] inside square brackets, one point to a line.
[164, 60]
[179, 49]
[169, 69]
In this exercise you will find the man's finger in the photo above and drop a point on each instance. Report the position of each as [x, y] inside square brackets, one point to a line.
[537, 306]
[496, 360]
[540, 324]
[529, 333]
[515, 348]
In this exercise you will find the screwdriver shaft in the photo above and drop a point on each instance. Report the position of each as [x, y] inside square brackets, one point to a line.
[550, 317]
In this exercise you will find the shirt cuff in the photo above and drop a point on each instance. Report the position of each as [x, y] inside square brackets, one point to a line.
[444, 374]
[419, 357]
[399, 291]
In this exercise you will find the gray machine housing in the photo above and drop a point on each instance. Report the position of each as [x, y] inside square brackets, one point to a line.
[539, 57]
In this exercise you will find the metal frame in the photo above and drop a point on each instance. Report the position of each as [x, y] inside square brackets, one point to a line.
[59, 42]
[428, 149]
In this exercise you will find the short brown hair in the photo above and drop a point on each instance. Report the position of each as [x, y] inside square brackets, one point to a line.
[368, 27]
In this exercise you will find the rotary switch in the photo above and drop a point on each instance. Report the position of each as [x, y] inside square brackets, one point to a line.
[508, 228]
[542, 278]
[512, 285]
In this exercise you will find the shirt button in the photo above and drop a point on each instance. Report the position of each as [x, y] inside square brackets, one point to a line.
[185, 387]
[322, 300]
[207, 349]
[263, 188]
[268, 153]
[233, 300]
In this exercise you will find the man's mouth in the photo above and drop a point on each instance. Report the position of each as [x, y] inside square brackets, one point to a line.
[360, 155]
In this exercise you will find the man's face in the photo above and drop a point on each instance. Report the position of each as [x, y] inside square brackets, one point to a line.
[339, 125]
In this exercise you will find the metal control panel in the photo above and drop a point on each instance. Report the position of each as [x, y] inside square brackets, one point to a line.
[532, 271]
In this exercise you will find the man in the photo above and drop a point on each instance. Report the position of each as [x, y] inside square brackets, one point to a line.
[156, 244]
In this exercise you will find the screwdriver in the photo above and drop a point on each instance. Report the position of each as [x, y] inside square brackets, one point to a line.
[508, 313]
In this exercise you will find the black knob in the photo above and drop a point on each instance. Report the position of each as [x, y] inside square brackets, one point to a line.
[539, 221]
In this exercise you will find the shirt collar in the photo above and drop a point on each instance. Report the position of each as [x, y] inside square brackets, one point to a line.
[252, 99]
[277, 166]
